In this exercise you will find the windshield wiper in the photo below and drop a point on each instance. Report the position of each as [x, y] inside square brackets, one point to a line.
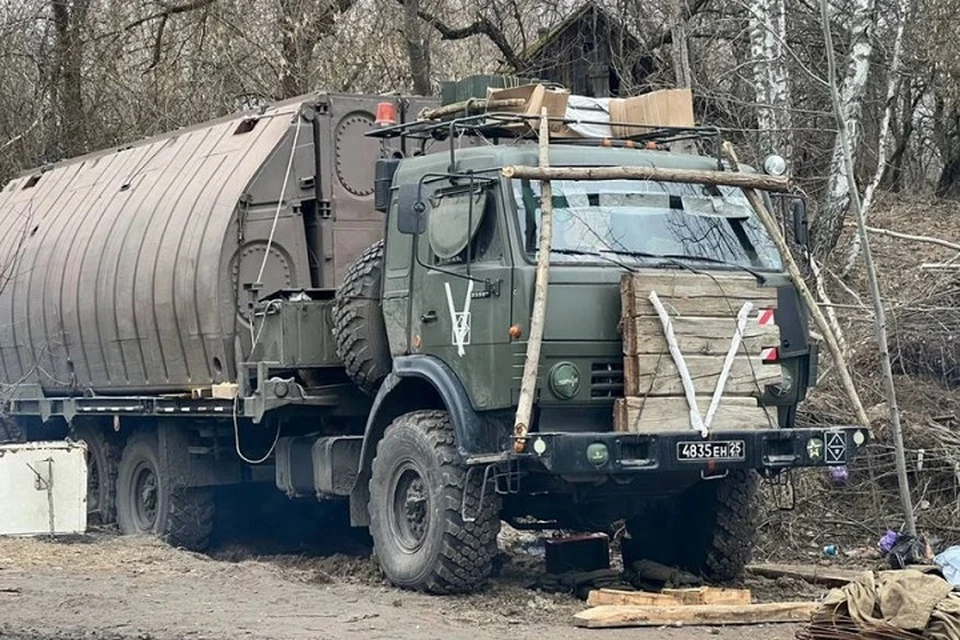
[676, 258]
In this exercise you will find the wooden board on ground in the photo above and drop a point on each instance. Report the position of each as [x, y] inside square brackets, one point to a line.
[669, 597]
[607, 616]
[827, 576]
[697, 335]
[658, 414]
[691, 294]
[657, 375]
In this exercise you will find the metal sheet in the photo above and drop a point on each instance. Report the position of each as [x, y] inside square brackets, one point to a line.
[43, 488]
[115, 259]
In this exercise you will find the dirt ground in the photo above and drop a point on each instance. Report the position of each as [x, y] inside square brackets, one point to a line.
[109, 587]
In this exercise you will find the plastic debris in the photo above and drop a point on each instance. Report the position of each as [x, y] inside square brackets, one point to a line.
[888, 540]
[949, 563]
[830, 550]
[909, 550]
[840, 475]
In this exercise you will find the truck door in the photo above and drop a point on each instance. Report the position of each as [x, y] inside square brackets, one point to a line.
[461, 292]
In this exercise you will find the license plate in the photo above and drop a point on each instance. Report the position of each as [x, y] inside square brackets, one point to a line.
[711, 450]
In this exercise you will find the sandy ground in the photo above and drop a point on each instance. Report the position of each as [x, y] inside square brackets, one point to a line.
[110, 587]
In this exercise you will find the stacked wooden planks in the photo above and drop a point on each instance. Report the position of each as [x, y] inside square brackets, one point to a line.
[703, 309]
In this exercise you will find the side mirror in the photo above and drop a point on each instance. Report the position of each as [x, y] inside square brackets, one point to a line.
[411, 210]
[798, 207]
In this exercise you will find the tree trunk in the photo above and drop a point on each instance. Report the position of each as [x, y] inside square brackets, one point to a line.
[418, 48]
[69, 19]
[301, 25]
[829, 223]
[768, 32]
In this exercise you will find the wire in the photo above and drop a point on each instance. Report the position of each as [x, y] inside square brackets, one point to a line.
[283, 191]
[255, 338]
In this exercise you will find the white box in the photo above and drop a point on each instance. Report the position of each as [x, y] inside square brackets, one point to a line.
[43, 488]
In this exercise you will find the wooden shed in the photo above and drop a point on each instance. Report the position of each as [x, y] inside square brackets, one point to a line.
[591, 53]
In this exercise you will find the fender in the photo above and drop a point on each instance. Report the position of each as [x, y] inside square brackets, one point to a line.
[472, 433]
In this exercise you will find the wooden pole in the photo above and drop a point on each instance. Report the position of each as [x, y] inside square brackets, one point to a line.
[531, 366]
[770, 224]
[478, 105]
[879, 314]
[779, 184]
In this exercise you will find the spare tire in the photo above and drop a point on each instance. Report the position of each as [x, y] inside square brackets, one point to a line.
[358, 329]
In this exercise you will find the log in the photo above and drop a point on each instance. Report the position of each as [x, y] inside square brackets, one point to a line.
[656, 374]
[531, 364]
[610, 616]
[693, 294]
[826, 576]
[708, 336]
[670, 413]
[669, 597]
[477, 105]
[779, 184]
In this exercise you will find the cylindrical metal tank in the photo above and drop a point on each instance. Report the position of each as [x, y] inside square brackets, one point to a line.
[116, 266]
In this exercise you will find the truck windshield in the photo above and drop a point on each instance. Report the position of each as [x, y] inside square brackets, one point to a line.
[644, 217]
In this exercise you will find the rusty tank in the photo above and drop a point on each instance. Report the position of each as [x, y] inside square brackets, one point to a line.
[129, 270]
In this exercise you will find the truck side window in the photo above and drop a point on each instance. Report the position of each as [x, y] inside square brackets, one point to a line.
[485, 246]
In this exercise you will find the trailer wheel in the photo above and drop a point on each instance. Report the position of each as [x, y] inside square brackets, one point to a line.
[10, 433]
[417, 491]
[103, 457]
[148, 503]
[358, 329]
[710, 529]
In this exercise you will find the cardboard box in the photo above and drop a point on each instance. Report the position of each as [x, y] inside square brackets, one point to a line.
[537, 96]
[667, 107]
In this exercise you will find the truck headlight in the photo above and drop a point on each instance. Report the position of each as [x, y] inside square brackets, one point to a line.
[564, 380]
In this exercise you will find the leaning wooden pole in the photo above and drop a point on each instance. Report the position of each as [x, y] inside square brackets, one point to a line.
[778, 184]
[531, 366]
[770, 224]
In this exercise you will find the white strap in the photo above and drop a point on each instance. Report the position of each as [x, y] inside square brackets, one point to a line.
[742, 316]
[696, 420]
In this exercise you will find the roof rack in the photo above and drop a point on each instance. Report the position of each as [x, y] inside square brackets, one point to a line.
[499, 126]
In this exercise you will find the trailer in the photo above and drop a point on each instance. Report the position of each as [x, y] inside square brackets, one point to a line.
[334, 296]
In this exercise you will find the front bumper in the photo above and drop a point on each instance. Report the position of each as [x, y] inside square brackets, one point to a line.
[630, 453]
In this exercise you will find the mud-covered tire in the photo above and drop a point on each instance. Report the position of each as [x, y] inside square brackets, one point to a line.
[103, 460]
[709, 530]
[417, 490]
[148, 503]
[358, 330]
[10, 432]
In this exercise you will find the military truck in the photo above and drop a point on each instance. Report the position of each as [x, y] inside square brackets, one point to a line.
[310, 296]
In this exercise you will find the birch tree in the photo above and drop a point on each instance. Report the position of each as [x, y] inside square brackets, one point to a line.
[828, 224]
[768, 36]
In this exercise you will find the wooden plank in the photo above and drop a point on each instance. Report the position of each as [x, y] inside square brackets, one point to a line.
[653, 414]
[826, 576]
[697, 335]
[599, 597]
[669, 597]
[657, 375]
[609, 616]
[710, 595]
[692, 294]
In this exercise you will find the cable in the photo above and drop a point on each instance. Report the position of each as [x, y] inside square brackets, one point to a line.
[283, 190]
[255, 338]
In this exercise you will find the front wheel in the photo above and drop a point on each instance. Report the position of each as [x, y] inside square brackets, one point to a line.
[709, 530]
[149, 503]
[419, 489]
